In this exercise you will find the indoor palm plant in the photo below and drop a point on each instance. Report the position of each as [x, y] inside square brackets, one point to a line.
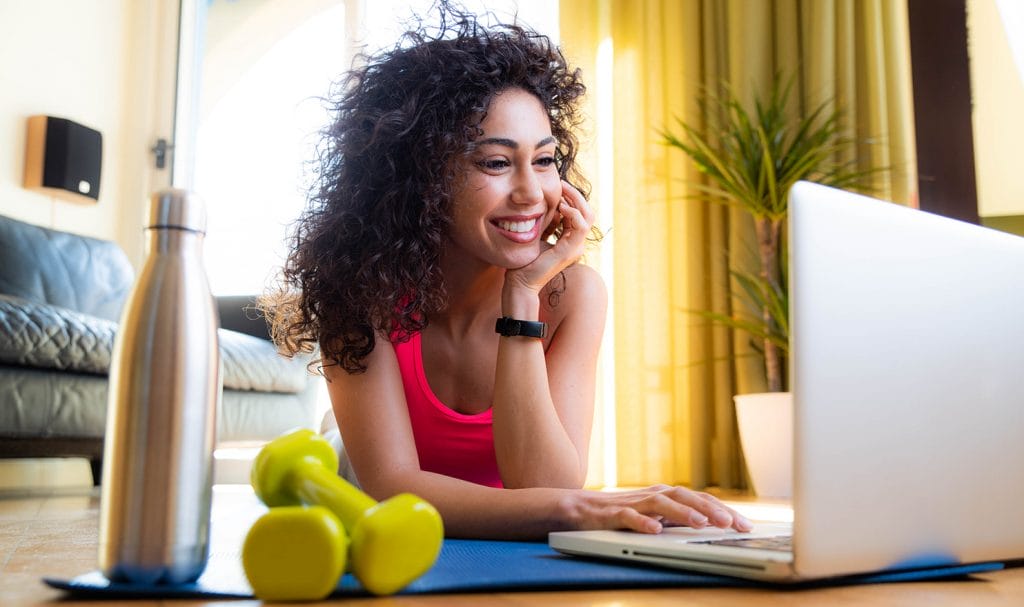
[751, 159]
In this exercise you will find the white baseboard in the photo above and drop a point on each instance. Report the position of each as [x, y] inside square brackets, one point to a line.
[231, 465]
[31, 474]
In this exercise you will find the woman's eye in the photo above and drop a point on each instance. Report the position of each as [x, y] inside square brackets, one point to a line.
[496, 164]
[546, 161]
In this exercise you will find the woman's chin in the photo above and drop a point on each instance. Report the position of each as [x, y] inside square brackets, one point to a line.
[521, 259]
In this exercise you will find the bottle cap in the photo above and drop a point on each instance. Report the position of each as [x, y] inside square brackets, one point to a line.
[176, 208]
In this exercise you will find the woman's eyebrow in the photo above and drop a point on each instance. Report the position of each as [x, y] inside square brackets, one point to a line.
[510, 143]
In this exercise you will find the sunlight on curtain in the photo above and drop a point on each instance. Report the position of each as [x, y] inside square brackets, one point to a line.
[605, 451]
[674, 377]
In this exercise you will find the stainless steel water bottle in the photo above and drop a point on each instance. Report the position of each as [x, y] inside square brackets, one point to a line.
[165, 387]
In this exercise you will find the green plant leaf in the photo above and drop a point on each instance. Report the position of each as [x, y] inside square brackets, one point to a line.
[750, 160]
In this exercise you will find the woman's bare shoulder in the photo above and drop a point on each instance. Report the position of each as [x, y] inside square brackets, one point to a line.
[577, 288]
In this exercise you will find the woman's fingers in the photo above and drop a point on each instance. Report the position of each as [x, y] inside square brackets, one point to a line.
[577, 217]
[575, 199]
[674, 505]
[673, 511]
[548, 231]
[739, 522]
[575, 207]
[716, 513]
[574, 226]
[628, 518]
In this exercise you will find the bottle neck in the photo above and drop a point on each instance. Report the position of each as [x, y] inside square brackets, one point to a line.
[164, 240]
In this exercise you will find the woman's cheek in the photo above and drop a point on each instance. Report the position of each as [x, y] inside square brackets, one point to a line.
[553, 191]
[552, 219]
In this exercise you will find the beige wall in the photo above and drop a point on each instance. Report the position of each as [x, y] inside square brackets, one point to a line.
[107, 64]
[998, 95]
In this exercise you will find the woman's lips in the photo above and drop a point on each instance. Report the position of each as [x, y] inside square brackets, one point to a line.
[517, 226]
[518, 229]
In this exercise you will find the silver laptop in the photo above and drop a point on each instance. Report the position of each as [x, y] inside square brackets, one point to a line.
[907, 339]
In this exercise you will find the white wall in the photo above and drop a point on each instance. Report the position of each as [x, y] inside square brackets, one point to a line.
[102, 63]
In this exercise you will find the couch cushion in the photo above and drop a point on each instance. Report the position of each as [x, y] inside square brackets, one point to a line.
[43, 336]
[79, 273]
[251, 363]
[47, 337]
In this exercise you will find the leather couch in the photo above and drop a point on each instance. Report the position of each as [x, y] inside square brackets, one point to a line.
[61, 296]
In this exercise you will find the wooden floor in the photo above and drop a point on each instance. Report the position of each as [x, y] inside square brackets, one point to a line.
[55, 535]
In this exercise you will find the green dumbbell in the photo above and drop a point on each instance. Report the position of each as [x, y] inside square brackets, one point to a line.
[392, 542]
[295, 553]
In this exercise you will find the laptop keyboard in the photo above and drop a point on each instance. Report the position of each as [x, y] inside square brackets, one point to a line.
[780, 543]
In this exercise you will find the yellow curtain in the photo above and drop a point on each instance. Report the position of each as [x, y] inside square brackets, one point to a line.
[645, 63]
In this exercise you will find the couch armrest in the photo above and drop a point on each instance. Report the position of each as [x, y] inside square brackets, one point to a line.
[239, 313]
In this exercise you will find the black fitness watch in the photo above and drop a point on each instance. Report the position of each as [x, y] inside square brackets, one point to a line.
[511, 327]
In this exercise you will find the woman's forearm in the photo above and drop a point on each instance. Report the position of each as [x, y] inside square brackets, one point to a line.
[475, 511]
[532, 445]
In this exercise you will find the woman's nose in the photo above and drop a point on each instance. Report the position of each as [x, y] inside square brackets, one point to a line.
[527, 188]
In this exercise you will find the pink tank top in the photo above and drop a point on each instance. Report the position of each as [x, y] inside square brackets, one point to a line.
[447, 442]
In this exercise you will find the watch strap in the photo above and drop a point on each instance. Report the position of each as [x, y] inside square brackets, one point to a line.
[512, 327]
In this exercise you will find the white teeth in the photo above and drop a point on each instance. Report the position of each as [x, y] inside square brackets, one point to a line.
[517, 226]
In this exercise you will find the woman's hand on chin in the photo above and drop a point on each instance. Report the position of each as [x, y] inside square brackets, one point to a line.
[576, 217]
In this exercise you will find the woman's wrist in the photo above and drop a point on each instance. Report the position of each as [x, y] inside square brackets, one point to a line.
[565, 510]
[519, 302]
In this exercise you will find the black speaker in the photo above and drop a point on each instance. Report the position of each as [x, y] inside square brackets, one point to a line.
[64, 158]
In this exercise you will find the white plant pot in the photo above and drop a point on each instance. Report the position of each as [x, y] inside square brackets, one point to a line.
[765, 423]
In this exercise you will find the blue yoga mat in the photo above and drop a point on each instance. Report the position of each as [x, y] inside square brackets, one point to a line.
[477, 566]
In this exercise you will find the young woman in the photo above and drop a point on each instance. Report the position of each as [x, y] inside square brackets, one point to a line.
[437, 270]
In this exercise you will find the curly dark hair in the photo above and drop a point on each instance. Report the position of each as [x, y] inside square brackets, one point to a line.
[365, 252]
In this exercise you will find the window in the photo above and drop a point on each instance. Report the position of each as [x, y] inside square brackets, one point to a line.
[265, 67]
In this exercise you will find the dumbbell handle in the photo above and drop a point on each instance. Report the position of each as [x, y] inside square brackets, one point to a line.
[313, 483]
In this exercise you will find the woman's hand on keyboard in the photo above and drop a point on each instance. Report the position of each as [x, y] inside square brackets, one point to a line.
[650, 510]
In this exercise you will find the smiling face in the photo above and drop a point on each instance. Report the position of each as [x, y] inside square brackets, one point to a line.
[512, 185]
